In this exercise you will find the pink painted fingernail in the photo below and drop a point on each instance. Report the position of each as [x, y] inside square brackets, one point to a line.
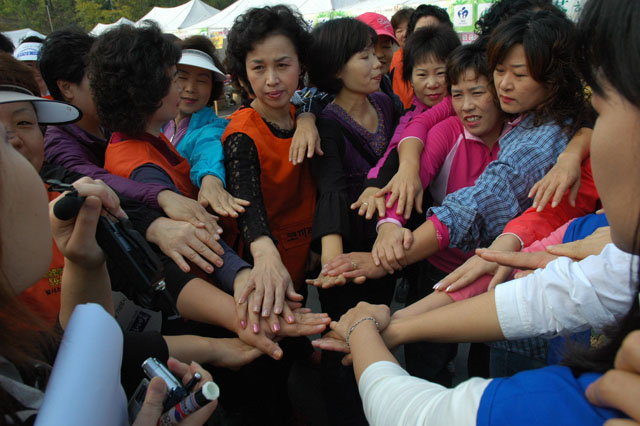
[243, 324]
[276, 327]
[290, 318]
[437, 286]
[255, 328]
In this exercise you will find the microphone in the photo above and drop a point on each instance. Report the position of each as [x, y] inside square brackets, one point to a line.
[68, 207]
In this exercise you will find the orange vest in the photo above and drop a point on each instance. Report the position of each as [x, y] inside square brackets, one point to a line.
[43, 297]
[289, 192]
[401, 87]
[124, 156]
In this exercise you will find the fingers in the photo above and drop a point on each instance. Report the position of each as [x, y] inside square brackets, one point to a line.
[329, 344]
[544, 198]
[278, 303]
[501, 275]
[372, 207]
[408, 207]
[287, 314]
[347, 360]
[87, 186]
[523, 274]
[179, 260]
[617, 389]
[152, 406]
[573, 194]
[273, 322]
[268, 347]
[518, 260]
[393, 198]
[267, 301]
[559, 193]
[380, 206]
[241, 313]
[407, 240]
[318, 148]
[418, 202]
[338, 265]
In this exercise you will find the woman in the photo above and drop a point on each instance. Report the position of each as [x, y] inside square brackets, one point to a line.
[555, 395]
[27, 345]
[196, 131]
[266, 54]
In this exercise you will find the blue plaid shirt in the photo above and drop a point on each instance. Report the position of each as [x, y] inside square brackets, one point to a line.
[477, 214]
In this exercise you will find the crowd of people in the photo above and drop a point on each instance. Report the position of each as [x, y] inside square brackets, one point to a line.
[372, 160]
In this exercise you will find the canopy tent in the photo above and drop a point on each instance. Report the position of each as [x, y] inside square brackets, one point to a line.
[100, 28]
[387, 8]
[17, 35]
[172, 19]
[308, 8]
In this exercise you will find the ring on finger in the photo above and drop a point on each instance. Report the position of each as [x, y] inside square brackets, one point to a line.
[354, 265]
[365, 204]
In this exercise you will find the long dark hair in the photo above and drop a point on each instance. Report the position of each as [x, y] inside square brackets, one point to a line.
[610, 46]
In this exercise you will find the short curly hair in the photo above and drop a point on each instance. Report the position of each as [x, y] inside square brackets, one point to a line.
[15, 73]
[64, 56]
[334, 43]
[128, 75]
[549, 40]
[254, 26]
[402, 15]
[505, 9]
[425, 10]
[203, 44]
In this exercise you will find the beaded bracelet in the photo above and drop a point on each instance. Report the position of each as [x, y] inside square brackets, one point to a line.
[358, 323]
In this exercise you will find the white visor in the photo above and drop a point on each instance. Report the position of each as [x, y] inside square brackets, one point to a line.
[48, 111]
[27, 51]
[197, 58]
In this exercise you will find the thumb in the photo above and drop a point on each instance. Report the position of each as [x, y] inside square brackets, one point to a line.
[152, 406]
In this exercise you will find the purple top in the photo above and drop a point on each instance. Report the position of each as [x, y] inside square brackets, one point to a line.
[175, 134]
[77, 150]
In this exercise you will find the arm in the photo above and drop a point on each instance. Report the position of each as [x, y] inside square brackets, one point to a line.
[476, 215]
[63, 149]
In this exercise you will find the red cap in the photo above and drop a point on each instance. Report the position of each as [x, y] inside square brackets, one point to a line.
[379, 23]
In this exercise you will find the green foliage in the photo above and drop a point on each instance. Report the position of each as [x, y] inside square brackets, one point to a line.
[17, 14]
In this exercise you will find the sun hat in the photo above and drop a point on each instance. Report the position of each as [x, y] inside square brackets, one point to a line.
[27, 51]
[48, 111]
[379, 23]
[197, 58]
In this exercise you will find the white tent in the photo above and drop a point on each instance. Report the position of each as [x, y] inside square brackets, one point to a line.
[17, 35]
[100, 28]
[308, 8]
[172, 19]
[388, 8]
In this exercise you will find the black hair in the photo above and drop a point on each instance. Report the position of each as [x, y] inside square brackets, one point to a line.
[257, 24]
[425, 10]
[64, 56]
[472, 56]
[14, 72]
[402, 15]
[504, 9]
[334, 43]
[609, 46]
[32, 39]
[128, 75]
[430, 42]
[549, 40]
[6, 45]
[203, 44]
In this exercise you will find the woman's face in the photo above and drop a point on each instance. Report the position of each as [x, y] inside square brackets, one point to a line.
[196, 88]
[428, 79]
[169, 105]
[401, 33]
[384, 52]
[273, 71]
[517, 90]
[476, 106]
[362, 73]
[25, 236]
[615, 155]
[21, 125]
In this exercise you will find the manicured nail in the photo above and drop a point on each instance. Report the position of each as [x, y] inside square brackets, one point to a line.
[448, 288]
[276, 327]
[255, 328]
[290, 319]
[277, 354]
[265, 313]
[277, 310]
[243, 324]
[256, 308]
[437, 286]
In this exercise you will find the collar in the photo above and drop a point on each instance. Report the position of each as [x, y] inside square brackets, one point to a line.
[506, 128]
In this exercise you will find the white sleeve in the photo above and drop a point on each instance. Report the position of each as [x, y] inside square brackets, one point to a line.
[391, 396]
[567, 297]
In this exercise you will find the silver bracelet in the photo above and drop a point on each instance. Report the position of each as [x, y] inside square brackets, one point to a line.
[357, 323]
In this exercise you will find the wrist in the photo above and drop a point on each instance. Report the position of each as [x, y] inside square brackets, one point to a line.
[154, 230]
[507, 241]
[363, 324]
[241, 278]
[263, 247]
[211, 180]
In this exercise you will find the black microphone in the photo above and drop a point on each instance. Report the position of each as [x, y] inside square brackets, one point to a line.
[68, 206]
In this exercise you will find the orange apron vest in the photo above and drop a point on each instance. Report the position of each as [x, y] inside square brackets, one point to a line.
[43, 297]
[124, 156]
[401, 87]
[289, 192]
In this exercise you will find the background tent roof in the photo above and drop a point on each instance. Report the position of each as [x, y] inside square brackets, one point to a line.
[225, 19]
[174, 18]
[100, 28]
[17, 35]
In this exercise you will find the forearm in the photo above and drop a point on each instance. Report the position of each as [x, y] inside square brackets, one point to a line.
[425, 243]
[580, 144]
[470, 320]
[204, 302]
[331, 247]
[409, 152]
[187, 348]
[367, 347]
[81, 285]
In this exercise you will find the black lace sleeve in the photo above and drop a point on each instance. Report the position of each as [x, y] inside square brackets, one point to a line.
[242, 166]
